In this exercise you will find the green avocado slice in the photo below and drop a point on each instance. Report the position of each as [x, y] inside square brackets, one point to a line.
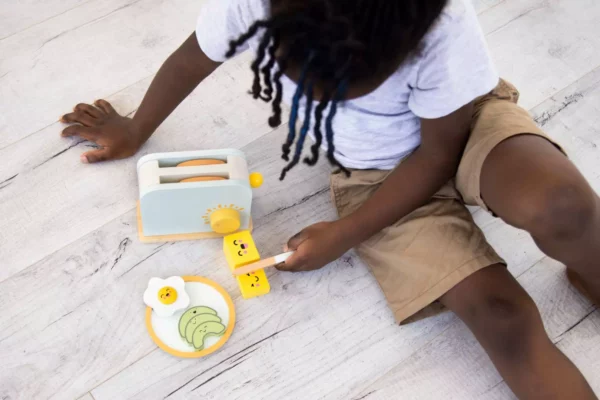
[205, 330]
[191, 313]
[196, 322]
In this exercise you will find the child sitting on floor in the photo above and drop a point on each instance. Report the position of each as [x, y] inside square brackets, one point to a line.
[402, 97]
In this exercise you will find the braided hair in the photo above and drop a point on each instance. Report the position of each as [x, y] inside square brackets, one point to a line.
[335, 44]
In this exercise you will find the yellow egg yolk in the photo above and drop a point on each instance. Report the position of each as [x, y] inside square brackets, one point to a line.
[167, 295]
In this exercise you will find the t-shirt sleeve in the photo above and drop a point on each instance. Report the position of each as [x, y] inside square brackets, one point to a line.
[219, 22]
[455, 67]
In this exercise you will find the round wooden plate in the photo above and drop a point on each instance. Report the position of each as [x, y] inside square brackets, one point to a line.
[203, 292]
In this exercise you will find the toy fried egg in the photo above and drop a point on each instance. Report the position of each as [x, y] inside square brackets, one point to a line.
[166, 296]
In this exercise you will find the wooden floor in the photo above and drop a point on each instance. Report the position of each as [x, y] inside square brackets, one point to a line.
[73, 271]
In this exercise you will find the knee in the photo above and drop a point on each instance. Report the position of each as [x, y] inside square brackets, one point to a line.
[509, 327]
[562, 212]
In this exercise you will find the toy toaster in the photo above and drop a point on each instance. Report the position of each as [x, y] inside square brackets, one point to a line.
[194, 195]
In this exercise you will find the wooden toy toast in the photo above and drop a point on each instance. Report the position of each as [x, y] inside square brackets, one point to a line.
[240, 250]
[194, 195]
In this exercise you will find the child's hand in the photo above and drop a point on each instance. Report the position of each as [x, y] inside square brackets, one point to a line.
[117, 136]
[316, 246]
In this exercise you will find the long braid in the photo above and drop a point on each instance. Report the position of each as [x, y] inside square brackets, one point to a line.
[234, 44]
[303, 131]
[275, 119]
[318, 134]
[339, 94]
[266, 70]
[260, 56]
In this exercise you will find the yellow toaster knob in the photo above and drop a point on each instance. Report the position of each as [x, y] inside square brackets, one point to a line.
[225, 220]
[256, 180]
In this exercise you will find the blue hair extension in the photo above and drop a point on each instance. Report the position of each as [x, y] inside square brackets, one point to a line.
[294, 112]
[303, 131]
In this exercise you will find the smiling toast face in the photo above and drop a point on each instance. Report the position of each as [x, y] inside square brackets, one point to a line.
[240, 249]
[253, 284]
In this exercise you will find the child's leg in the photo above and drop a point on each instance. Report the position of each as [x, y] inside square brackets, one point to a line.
[530, 184]
[506, 322]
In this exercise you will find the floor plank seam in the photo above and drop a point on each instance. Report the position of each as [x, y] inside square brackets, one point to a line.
[493, 387]
[546, 116]
[592, 71]
[516, 18]
[157, 250]
[228, 358]
[366, 395]
[77, 143]
[492, 7]
[217, 375]
[87, 23]
[45, 20]
[560, 337]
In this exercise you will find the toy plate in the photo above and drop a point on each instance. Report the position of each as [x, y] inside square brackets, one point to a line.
[203, 292]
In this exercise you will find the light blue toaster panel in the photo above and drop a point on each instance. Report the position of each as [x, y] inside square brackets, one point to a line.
[175, 208]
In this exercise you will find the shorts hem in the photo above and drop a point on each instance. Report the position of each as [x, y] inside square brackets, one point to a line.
[468, 177]
[444, 285]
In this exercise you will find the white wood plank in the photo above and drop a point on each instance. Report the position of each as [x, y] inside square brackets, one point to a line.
[20, 15]
[54, 199]
[543, 45]
[88, 52]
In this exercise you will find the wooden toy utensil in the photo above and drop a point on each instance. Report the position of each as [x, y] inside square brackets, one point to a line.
[262, 264]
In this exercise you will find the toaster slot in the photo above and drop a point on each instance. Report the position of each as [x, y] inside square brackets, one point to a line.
[195, 163]
[203, 179]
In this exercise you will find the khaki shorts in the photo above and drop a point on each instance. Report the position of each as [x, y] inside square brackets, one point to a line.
[428, 252]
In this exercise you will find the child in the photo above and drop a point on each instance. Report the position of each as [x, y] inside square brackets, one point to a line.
[403, 97]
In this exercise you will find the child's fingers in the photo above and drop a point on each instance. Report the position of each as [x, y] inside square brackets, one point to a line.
[82, 131]
[88, 109]
[295, 262]
[79, 117]
[95, 156]
[105, 106]
[296, 240]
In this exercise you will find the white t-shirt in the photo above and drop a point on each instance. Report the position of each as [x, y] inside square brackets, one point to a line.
[378, 130]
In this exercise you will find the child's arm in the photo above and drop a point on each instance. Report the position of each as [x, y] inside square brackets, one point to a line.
[121, 137]
[418, 177]
[410, 186]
